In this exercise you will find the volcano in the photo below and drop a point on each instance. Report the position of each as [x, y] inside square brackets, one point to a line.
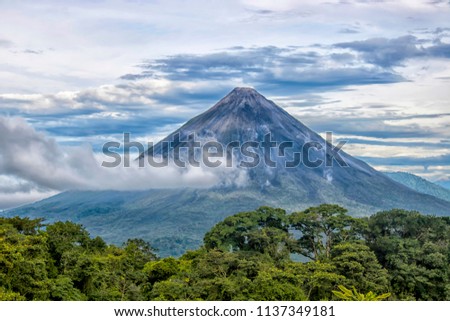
[287, 175]
[321, 173]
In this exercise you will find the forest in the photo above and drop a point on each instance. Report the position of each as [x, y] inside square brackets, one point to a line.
[320, 253]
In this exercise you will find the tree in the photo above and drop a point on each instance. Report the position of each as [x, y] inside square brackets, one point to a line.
[65, 236]
[353, 295]
[360, 267]
[62, 289]
[275, 284]
[139, 252]
[320, 278]
[265, 230]
[161, 270]
[6, 295]
[246, 257]
[321, 227]
[24, 225]
[23, 264]
[415, 249]
[62, 262]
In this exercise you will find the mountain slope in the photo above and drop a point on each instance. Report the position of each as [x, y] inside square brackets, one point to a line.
[444, 184]
[420, 184]
[244, 115]
[176, 219]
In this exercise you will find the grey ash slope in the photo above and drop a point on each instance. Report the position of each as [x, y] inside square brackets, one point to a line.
[176, 219]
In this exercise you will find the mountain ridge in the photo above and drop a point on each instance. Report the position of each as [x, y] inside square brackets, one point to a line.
[420, 184]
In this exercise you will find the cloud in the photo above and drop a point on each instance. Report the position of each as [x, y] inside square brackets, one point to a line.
[273, 68]
[32, 164]
[441, 160]
[138, 108]
[349, 30]
[365, 122]
[42, 106]
[326, 87]
[4, 43]
[11, 200]
[172, 89]
[113, 39]
[31, 156]
[387, 53]
[437, 2]
[367, 68]
[33, 52]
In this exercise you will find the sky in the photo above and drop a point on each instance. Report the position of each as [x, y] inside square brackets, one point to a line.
[76, 74]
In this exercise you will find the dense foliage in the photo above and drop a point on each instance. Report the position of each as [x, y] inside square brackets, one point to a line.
[317, 254]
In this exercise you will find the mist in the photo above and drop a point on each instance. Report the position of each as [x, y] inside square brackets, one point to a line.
[34, 166]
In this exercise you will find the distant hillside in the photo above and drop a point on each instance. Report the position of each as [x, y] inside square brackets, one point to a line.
[420, 184]
[445, 184]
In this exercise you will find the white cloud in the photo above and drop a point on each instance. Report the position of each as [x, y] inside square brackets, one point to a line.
[16, 199]
[86, 43]
[33, 166]
[383, 151]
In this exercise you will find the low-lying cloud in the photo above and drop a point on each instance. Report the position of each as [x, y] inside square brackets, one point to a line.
[34, 165]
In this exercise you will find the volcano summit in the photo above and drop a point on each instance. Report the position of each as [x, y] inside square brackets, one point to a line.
[257, 128]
